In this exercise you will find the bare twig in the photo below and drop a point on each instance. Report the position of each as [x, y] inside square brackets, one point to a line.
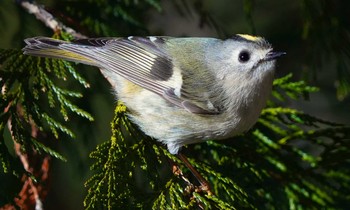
[48, 19]
[32, 194]
[205, 186]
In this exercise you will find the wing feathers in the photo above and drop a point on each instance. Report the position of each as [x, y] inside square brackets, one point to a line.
[47, 47]
[143, 61]
[161, 69]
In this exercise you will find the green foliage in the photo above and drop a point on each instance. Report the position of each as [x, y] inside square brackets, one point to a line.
[119, 17]
[270, 167]
[30, 98]
[129, 154]
[114, 182]
[284, 88]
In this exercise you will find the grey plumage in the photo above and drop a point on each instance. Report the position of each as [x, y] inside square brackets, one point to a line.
[179, 90]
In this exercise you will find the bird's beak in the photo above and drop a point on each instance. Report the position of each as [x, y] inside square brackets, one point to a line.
[273, 55]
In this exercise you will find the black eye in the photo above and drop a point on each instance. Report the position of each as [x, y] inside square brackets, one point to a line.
[244, 56]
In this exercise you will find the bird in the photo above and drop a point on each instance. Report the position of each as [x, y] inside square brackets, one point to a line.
[178, 90]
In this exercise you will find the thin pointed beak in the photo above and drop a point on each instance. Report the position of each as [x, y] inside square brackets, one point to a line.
[273, 55]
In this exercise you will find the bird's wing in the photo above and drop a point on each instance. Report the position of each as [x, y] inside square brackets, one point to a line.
[141, 60]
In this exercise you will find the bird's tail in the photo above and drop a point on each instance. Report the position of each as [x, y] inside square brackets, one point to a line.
[54, 48]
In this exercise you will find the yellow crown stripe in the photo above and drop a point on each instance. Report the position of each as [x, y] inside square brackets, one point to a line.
[250, 37]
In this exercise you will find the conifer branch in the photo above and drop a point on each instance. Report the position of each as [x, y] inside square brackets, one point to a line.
[31, 125]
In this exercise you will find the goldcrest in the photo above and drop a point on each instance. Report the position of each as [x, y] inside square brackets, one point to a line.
[179, 90]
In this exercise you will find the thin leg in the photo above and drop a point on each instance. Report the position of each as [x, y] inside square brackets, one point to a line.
[204, 183]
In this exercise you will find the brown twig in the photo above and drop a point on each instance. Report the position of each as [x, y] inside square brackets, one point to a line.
[48, 19]
[204, 184]
[32, 194]
[190, 188]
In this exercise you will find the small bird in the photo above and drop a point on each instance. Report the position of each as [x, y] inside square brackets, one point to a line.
[179, 90]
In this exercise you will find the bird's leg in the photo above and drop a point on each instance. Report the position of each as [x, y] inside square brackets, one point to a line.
[204, 183]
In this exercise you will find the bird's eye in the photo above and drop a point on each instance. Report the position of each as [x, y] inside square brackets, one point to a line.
[244, 56]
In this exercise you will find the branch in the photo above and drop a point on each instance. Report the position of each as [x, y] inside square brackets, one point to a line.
[48, 19]
[32, 193]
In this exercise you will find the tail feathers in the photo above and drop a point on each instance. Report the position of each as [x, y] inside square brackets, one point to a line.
[51, 48]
